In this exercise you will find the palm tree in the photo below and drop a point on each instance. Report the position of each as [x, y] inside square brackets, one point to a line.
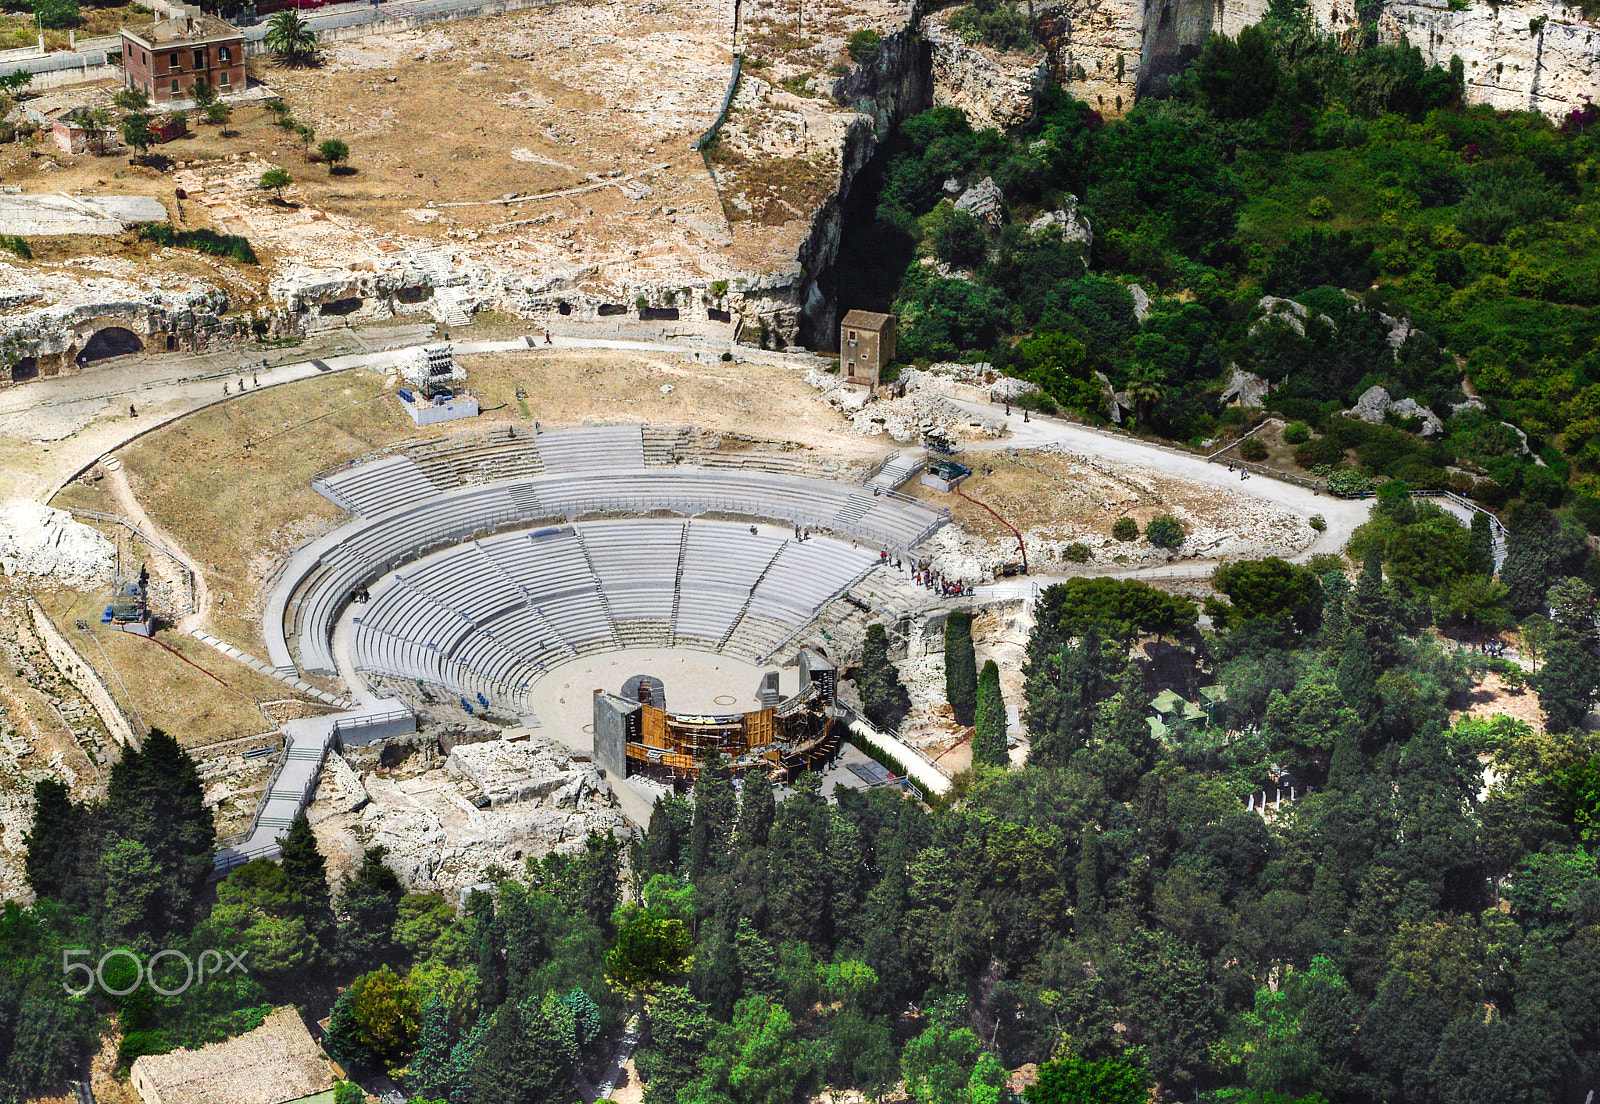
[291, 40]
[1147, 386]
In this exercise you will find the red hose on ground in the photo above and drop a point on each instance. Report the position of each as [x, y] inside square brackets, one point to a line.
[1020, 546]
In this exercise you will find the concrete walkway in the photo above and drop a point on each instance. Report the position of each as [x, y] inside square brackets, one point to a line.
[1343, 515]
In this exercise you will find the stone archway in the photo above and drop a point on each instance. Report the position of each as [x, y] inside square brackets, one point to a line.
[113, 341]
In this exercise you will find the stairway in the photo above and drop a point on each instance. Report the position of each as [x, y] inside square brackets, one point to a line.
[734, 624]
[854, 509]
[677, 589]
[449, 307]
[616, 634]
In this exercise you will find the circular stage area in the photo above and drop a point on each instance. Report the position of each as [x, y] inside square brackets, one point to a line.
[563, 699]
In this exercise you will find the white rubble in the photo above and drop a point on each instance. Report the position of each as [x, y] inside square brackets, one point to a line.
[446, 823]
[47, 543]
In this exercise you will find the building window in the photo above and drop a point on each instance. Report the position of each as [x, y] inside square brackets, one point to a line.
[199, 59]
[224, 54]
[174, 86]
[222, 80]
[852, 335]
[177, 60]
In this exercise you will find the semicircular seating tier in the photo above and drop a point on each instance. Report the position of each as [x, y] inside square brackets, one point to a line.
[487, 617]
[407, 510]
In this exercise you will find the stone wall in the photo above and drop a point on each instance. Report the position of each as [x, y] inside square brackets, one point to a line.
[84, 677]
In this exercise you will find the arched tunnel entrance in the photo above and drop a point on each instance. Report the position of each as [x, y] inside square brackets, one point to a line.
[113, 341]
[25, 369]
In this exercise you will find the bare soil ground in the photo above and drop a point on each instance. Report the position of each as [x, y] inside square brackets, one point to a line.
[1491, 698]
[1056, 499]
[198, 694]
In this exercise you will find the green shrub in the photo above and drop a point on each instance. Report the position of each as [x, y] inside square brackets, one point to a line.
[1296, 433]
[865, 46]
[236, 246]
[15, 243]
[1319, 208]
[1319, 523]
[1253, 449]
[1125, 529]
[1076, 552]
[1348, 481]
[1321, 450]
[995, 23]
[1164, 531]
[57, 15]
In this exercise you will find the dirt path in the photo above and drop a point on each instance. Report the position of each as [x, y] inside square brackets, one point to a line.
[128, 505]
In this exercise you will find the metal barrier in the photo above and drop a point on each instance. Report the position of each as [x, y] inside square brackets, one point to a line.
[118, 519]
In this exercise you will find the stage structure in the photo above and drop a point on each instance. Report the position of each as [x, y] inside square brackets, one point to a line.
[633, 735]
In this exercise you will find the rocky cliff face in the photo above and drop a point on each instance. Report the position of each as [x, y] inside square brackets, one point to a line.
[1536, 55]
[996, 90]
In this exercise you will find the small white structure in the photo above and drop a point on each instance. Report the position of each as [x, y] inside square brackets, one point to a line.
[430, 365]
[443, 407]
[428, 399]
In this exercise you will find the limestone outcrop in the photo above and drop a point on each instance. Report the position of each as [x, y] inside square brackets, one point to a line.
[995, 89]
[1375, 402]
[1074, 228]
[985, 202]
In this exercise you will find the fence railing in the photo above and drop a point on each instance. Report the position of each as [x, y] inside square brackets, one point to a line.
[118, 519]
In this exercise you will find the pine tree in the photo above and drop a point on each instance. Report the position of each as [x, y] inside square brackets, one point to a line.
[429, 1068]
[960, 667]
[756, 809]
[714, 813]
[798, 896]
[989, 732]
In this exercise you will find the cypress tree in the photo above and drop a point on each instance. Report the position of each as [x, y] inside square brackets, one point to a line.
[52, 842]
[522, 1060]
[1090, 902]
[428, 1072]
[306, 878]
[667, 838]
[680, 1030]
[884, 698]
[1370, 617]
[155, 799]
[342, 1039]
[960, 667]
[1128, 749]
[1063, 696]
[369, 904]
[989, 733]
[1567, 685]
[714, 812]
[756, 809]
[1482, 544]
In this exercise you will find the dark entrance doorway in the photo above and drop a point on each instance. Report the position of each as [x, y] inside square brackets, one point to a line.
[113, 341]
